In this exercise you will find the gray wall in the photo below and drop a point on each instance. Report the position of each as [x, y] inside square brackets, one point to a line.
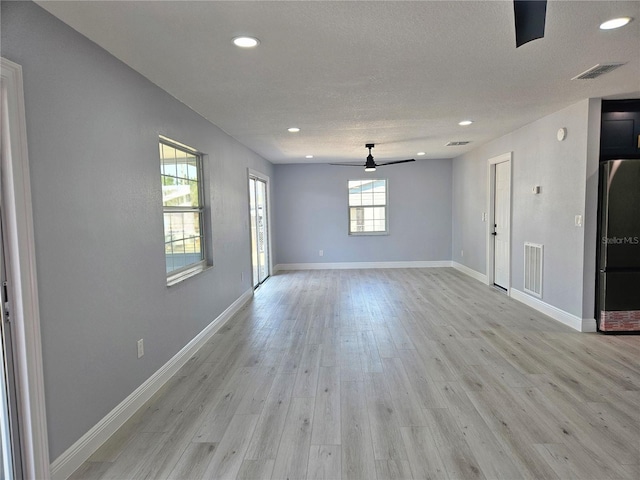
[311, 206]
[560, 168]
[93, 126]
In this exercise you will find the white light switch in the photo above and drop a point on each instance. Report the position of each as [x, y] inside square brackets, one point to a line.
[578, 220]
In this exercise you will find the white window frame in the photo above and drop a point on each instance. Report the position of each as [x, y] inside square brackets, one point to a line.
[181, 274]
[385, 206]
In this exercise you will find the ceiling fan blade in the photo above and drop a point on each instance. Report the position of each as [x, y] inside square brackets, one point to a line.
[347, 164]
[530, 18]
[395, 161]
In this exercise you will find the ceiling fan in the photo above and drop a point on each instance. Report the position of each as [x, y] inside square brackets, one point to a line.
[370, 165]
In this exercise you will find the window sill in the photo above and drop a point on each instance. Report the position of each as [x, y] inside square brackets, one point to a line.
[179, 277]
[367, 234]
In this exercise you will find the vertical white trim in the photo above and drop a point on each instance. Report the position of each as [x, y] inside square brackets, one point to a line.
[491, 179]
[16, 197]
[491, 187]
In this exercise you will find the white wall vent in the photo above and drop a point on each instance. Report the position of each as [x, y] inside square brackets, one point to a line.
[597, 70]
[456, 144]
[533, 269]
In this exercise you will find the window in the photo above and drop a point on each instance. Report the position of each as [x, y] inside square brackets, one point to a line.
[367, 207]
[183, 207]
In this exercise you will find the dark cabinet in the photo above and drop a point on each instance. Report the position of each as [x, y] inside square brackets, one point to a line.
[620, 130]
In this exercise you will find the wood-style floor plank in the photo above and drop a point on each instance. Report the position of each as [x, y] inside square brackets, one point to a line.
[385, 425]
[194, 461]
[293, 453]
[424, 457]
[324, 463]
[384, 375]
[266, 438]
[393, 470]
[405, 400]
[326, 418]
[454, 451]
[229, 455]
[255, 469]
[357, 446]
[487, 448]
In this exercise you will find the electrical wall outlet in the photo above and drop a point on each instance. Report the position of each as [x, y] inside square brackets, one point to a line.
[462, 253]
[140, 347]
[321, 253]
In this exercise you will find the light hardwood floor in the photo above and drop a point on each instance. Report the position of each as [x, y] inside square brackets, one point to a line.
[388, 374]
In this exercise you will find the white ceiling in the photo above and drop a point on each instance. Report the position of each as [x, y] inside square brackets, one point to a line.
[396, 73]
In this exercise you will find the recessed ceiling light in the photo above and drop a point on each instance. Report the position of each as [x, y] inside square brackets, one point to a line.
[464, 123]
[246, 42]
[308, 156]
[420, 154]
[293, 129]
[615, 23]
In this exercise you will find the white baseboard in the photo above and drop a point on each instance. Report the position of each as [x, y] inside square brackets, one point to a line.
[573, 321]
[80, 451]
[361, 265]
[481, 277]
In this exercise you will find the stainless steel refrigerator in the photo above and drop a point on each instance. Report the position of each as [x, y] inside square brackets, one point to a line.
[618, 285]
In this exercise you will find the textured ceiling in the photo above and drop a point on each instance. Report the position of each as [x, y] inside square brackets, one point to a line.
[395, 73]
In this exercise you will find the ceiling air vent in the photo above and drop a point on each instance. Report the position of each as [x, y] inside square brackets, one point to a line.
[456, 144]
[596, 71]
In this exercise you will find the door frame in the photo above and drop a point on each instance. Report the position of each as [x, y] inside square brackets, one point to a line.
[491, 189]
[21, 272]
[265, 178]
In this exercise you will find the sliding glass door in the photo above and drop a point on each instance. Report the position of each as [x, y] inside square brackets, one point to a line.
[258, 189]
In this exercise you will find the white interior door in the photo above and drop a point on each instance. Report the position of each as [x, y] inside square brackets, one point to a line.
[502, 227]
